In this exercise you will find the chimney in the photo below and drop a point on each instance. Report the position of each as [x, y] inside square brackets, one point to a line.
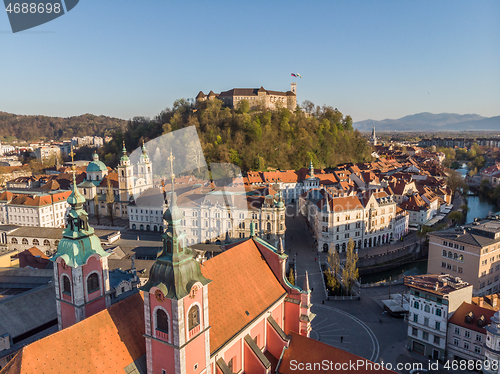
[481, 302]
[494, 300]
[436, 286]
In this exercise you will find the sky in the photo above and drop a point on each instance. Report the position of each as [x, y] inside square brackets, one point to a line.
[370, 59]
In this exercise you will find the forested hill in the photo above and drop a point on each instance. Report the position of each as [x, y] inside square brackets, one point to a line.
[33, 128]
[254, 140]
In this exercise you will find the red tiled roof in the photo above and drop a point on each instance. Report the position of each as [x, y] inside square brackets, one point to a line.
[341, 204]
[458, 318]
[104, 343]
[306, 350]
[242, 281]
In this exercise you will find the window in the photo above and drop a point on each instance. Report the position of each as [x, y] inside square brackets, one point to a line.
[436, 339]
[438, 325]
[479, 338]
[416, 305]
[425, 335]
[66, 285]
[46, 242]
[92, 283]
[415, 318]
[456, 342]
[426, 321]
[13, 241]
[193, 317]
[162, 321]
[466, 345]
[25, 241]
[477, 349]
[427, 308]
[36, 242]
[467, 334]
[414, 331]
[438, 312]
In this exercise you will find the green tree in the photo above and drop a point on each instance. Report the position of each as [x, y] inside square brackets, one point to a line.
[350, 272]
[243, 106]
[456, 217]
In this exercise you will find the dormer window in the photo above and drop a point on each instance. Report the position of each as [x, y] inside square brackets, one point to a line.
[469, 318]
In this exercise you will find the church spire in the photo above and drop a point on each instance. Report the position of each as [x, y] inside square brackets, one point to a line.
[311, 169]
[306, 283]
[175, 269]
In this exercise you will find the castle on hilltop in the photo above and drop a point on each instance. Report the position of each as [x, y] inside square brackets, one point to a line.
[256, 97]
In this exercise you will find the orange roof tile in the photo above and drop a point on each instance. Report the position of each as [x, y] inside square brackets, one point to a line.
[242, 281]
[104, 343]
[341, 204]
[306, 350]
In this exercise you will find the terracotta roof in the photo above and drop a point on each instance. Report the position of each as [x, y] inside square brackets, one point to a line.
[104, 343]
[36, 252]
[341, 204]
[307, 350]
[242, 282]
[458, 318]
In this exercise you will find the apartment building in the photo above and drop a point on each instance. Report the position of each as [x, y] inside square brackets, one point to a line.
[433, 298]
[467, 332]
[34, 208]
[471, 252]
[213, 215]
[368, 218]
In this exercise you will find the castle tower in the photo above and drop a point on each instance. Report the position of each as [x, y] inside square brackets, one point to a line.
[293, 87]
[145, 168]
[176, 305]
[125, 177]
[80, 267]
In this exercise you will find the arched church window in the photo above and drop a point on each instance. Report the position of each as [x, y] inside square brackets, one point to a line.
[25, 241]
[36, 242]
[66, 285]
[46, 242]
[193, 317]
[162, 321]
[92, 283]
[13, 241]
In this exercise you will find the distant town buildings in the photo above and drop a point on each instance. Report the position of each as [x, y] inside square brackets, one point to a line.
[256, 97]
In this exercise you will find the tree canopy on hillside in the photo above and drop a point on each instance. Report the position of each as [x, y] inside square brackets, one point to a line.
[254, 140]
[34, 128]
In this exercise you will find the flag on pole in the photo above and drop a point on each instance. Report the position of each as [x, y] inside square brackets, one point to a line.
[294, 75]
[298, 75]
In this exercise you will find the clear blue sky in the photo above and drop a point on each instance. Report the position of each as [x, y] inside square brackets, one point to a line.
[370, 59]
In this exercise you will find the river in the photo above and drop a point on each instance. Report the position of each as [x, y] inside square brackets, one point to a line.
[478, 208]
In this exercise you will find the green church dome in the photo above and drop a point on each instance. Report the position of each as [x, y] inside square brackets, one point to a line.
[96, 166]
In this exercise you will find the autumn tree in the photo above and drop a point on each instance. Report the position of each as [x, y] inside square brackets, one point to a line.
[333, 272]
[110, 199]
[350, 271]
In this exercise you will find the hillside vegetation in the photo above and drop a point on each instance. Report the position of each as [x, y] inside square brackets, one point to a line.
[34, 128]
[253, 140]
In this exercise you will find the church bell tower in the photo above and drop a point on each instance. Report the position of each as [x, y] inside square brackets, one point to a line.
[80, 267]
[176, 304]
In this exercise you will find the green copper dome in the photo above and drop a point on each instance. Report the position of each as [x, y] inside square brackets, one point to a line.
[96, 166]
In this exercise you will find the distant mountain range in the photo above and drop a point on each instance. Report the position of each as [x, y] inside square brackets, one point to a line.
[432, 122]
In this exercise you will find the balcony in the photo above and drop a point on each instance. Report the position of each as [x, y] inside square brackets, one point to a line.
[195, 330]
[66, 296]
[162, 335]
